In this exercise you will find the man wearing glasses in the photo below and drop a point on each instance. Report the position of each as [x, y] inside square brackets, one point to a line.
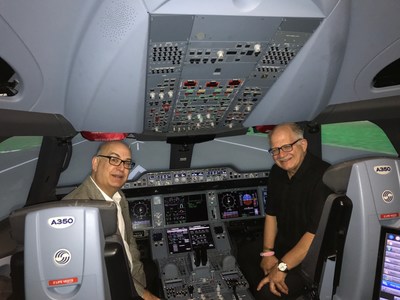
[110, 170]
[296, 195]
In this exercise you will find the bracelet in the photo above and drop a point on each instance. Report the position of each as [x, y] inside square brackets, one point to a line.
[267, 253]
[266, 249]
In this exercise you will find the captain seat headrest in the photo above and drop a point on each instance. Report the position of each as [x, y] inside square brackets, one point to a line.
[337, 176]
[107, 210]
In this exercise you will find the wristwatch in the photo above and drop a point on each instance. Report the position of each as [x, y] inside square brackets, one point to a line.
[283, 267]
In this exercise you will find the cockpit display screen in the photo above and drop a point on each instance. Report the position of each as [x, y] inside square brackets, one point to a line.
[237, 204]
[387, 279]
[185, 209]
[178, 240]
[140, 211]
[185, 239]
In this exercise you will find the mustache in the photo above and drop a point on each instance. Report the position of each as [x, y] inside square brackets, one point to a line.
[283, 159]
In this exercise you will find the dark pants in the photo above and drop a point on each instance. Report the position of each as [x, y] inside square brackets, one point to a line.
[153, 281]
[249, 261]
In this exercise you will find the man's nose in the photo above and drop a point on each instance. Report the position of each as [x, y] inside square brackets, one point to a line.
[281, 154]
[121, 166]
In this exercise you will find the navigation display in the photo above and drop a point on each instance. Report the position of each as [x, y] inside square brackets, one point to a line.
[236, 204]
[185, 239]
[140, 212]
[181, 209]
[387, 280]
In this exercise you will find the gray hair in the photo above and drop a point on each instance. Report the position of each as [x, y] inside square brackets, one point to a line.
[296, 129]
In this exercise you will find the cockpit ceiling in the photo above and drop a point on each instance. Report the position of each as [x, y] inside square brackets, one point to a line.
[208, 73]
[162, 69]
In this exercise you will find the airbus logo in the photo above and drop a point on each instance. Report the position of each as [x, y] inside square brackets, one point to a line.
[62, 257]
[61, 222]
[387, 196]
[382, 170]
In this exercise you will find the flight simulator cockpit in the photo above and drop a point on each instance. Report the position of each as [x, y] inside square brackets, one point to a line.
[188, 230]
[192, 232]
[192, 222]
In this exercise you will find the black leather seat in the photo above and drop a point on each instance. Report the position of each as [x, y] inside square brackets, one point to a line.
[331, 234]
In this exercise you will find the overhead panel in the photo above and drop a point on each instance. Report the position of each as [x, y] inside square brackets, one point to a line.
[205, 74]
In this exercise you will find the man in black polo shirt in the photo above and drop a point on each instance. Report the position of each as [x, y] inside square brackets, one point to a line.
[296, 195]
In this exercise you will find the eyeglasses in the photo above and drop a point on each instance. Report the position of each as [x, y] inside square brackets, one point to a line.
[284, 148]
[115, 161]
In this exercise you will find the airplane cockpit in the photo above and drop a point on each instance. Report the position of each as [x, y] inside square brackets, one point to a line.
[194, 88]
[192, 221]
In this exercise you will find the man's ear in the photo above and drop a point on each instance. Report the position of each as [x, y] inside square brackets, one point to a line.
[95, 163]
[304, 144]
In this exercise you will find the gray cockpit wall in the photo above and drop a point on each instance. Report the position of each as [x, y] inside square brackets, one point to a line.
[152, 67]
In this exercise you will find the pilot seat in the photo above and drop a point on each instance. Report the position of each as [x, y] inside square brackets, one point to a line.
[69, 249]
[348, 265]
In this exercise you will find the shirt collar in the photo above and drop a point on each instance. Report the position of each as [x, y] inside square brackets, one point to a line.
[303, 167]
[115, 197]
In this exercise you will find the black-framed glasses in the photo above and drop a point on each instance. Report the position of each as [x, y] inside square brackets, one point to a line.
[115, 161]
[284, 148]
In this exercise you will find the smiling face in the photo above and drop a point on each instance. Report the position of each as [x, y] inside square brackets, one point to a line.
[292, 160]
[108, 177]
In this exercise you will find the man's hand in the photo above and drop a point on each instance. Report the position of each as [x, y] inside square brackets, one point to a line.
[147, 295]
[268, 263]
[276, 280]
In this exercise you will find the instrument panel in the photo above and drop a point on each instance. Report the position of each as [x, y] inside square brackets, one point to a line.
[140, 212]
[191, 176]
[193, 196]
[185, 208]
[185, 215]
[197, 207]
[186, 239]
[239, 204]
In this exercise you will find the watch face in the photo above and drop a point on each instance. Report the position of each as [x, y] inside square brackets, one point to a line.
[282, 267]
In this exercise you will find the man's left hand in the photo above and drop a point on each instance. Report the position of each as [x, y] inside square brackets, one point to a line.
[276, 280]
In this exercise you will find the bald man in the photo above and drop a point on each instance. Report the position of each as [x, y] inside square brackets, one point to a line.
[110, 170]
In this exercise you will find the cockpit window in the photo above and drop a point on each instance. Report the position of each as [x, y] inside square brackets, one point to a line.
[19, 143]
[388, 76]
[9, 84]
[362, 136]
[18, 158]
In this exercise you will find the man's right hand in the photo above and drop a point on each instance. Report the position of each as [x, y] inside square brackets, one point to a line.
[147, 295]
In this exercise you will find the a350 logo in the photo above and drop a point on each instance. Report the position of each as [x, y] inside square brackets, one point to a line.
[61, 222]
[382, 170]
